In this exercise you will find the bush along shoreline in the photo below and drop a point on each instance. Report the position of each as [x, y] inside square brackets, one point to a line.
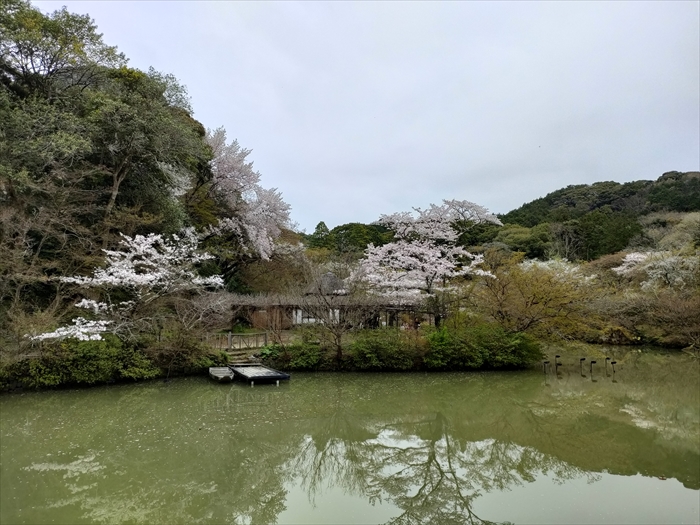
[87, 363]
[481, 347]
[71, 363]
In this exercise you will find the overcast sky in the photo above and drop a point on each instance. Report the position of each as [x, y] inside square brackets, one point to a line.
[361, 108]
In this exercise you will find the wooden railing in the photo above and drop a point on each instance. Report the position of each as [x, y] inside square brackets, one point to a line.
[231, 341]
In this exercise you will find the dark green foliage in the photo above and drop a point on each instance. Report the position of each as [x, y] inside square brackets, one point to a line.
[602, 232]
[180, 352]
[574, 202]
[676, 191]
[673, 191]
[204, 361]
[534, 242]
[318, 238]
[480, 346]
[81, 362]
[353, 237]
[88, 148]
[382, 350]
[447, 351]
[135, 365]
[270, 352]
[484, 346]
[588, 221]
[304, 355]
[477, 234]
[52, 55]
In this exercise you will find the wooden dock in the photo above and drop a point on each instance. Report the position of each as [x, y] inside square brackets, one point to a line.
[253, 372]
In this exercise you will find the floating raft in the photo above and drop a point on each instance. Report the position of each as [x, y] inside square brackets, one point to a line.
[253, 372]
[222, 374]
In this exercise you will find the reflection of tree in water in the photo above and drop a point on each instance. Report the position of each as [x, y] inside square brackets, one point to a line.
[421, 467]
[333, 455]
[191, 452]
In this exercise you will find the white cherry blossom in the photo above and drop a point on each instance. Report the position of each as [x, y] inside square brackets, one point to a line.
[258, 214]
[151, 266]
[662, 269]
[424, 258]
[437, 222]
[147, 267]
[81, 329]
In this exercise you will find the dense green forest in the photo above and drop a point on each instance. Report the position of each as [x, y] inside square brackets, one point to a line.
[581, 222]
[129, 232]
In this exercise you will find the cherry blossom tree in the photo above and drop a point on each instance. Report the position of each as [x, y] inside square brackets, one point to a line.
[81, 329]
[424, 258]
[661, 269]
[145, 269]
[438, 223]
[668, 297]
[257, 215]
[405, 270]
[151, 266]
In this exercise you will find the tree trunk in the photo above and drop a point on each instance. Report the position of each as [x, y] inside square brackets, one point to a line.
[117, 179]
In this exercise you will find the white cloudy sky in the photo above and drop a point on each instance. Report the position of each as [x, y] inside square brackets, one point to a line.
[353, 109]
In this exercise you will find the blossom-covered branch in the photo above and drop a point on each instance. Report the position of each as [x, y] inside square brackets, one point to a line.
[147, 267]
[437, 223]
[151, 266]
[257, 214]
[81, 329]
[661, 268]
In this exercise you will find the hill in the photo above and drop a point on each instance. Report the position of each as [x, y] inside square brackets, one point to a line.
[673, 191]
[587, 221]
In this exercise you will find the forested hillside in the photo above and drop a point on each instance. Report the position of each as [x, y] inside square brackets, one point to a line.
[673, 191]
[580, 222]
[587, 221]
[101, 163]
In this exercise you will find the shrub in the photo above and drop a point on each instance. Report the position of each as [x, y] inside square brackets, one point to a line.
[305, 356]
[451, 349]
[180, 353]
[135, 365]
[270, 352]
[81, 362]
[479, 346]
[382, 350]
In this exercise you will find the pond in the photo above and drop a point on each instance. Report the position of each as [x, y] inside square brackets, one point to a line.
[523, 447]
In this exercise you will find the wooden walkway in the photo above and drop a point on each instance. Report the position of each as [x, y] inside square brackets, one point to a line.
[253, 372]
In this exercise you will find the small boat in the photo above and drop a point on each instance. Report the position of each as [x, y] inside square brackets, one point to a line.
[222, 374]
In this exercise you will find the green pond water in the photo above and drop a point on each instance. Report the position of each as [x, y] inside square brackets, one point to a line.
[521, 447]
